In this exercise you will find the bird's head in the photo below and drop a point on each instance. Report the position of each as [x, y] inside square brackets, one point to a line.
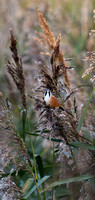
[47, 95]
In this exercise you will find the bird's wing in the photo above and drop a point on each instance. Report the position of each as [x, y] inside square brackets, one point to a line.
[54, 102]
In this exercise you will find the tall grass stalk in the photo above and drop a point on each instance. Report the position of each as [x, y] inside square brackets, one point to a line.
[53, 167]
[35, 178]
[24, 113]
[39, 194]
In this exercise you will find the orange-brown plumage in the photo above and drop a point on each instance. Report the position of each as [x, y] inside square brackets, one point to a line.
[54, 102]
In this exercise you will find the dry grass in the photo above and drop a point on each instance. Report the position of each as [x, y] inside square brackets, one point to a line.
[61, 124]
[91, 57]
[15, 69]
[48, 40]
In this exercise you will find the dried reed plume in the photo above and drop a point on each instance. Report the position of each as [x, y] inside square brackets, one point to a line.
[12, 147]
[61, 124]
[91, 57]
[48, 40]
[13, 154]
[88, 71]
[15, 69]
[9, 190]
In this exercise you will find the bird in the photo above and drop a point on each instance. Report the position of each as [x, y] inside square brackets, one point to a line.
[69, 120]
[53, 102]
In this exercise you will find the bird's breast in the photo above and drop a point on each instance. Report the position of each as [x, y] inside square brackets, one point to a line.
[47, 99]
[51, 101]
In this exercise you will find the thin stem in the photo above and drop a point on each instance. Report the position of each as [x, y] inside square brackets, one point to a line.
[53, 167]
[30, 169]
[35, 177]
[40, 197]
[24, 122]
[53, 195]
[32, 149]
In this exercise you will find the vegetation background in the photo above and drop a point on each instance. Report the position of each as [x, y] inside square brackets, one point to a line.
[66, 173]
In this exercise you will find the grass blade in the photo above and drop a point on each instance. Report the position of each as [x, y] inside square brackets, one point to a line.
[34, 188]
[82, 145]
[27, 185]
[69, 180]
[51, 139]
[40, 165]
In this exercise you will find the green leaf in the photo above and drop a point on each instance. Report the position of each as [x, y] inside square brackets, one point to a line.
[69, 180]
[41, 170]
[51, 139]
[40, 165]
[85, 111]
[34, 188]
[82, 145]
[27, 185]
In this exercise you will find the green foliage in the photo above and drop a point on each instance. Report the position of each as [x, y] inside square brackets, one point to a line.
[34, 188]
[83, 145]
[65, 181]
